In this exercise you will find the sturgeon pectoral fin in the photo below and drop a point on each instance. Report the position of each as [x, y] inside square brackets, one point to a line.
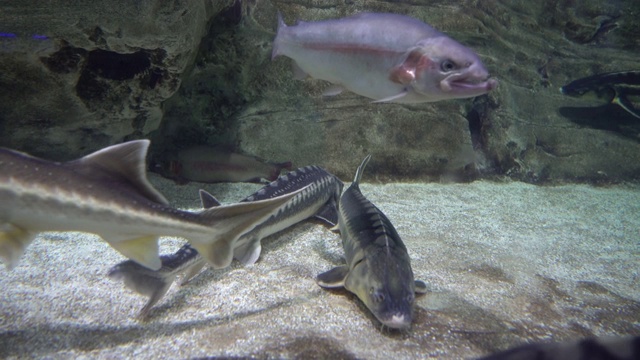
[153, 284]
[13, 241]
[219, 254]
[421, 287]
[249, 253]
[333, 278]
[328, 214]
[193, 270]
[624, 103]
[143, 250]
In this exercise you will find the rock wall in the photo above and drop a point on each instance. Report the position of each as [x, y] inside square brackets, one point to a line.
[77, 75]
[200, 72]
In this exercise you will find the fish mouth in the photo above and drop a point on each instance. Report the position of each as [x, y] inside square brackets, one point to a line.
[397, 321]
[467, 85]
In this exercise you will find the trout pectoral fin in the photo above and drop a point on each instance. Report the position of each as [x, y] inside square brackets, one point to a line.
[13, 241]
[143, 250]
[391, 98]
[420, 287]
[333, 90]
[333, 278]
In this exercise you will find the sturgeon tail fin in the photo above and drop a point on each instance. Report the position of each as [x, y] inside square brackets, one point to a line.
[356, 179]
[229, 222]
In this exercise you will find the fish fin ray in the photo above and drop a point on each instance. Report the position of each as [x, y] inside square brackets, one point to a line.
[624, 103]
[328, 214]
[229, 222]
[208, 200]
[153, 284]
[360, 170]
[298, 73]
[128, 161]
[333, 278]
[333, 90]
[420, 287]
[392, 97]
[249, 253]
[13, 242]
[143, 250]
[193, 270]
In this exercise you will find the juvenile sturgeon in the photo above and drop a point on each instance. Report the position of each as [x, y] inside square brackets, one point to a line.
[318, 197]
[378, 268]
[614, 87]
[385, 57]
[107, 193]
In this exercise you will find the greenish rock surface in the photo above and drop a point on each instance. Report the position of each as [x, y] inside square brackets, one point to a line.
[199, 72]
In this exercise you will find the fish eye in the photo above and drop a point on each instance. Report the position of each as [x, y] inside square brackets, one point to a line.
[448, 65]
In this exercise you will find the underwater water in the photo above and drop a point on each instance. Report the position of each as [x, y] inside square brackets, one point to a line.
[518, 207]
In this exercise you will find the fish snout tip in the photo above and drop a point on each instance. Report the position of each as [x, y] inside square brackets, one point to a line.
[398, 321]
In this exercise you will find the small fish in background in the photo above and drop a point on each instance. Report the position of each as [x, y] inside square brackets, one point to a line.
[613, 87]
[385, 57]
[318, 200]
[107, 193]
[212, 164]
[624, 348]
[378, 267]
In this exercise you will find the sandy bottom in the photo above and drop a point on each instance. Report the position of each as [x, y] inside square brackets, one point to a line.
[505, 263]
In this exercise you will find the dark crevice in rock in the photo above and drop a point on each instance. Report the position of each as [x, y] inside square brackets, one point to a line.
[115, 66]
[65, 60]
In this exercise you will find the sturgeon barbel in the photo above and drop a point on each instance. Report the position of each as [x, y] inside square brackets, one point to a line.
[317, 193]
[378, 267]
[385, 57]
[107, 193]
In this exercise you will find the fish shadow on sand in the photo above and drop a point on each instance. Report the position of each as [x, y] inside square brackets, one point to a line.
[609, 117]
[47, 339]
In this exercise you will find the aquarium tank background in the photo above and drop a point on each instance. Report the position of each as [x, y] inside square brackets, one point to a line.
[560, 129]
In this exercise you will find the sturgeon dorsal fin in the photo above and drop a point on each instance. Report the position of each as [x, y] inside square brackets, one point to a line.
[356, 179]
[208, 200]
[127, 160]
[333, 278]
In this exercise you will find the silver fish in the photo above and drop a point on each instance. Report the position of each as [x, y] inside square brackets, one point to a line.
[107, 193]
[385, 57]
[378, 267]
[318, 198]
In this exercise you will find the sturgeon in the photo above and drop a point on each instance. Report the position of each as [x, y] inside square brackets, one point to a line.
[107, 193]
[218, 164]
[614, 87]
[378, 268]
[318, 198]
[385, 57]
